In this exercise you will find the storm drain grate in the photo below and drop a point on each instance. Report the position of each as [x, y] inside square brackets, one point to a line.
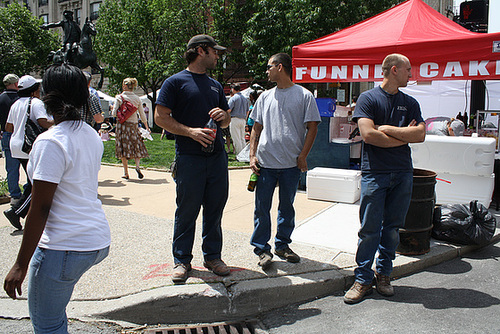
[243, 327]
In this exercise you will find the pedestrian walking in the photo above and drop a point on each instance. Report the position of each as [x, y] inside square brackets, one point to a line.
[66, 230]
[129, 143]
[388, 120]
[7, 99]
[286, 123]
[29, 103]
[187, 102]
[239, 106]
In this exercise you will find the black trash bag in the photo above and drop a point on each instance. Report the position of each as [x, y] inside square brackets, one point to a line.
[466, 224]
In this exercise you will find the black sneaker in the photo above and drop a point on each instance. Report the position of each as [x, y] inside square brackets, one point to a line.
[288, 255]
[13, 218]
[265, 260]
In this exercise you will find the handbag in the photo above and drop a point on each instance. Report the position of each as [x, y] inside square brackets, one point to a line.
[31, 131]
[125, 110]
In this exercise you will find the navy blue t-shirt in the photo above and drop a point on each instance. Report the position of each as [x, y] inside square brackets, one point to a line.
[387, 109]
[191, 96]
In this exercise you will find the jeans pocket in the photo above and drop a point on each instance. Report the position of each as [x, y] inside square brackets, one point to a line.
[75, 264]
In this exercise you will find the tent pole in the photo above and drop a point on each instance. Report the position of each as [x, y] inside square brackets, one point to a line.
[477, 97]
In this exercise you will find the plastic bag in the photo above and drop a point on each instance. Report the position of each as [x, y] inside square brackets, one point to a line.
[244, 155]
[466, 224]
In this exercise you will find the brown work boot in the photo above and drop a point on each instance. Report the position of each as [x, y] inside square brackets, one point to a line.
[218, 267]
[357, 292]
[383, 285]
[180, 273]
[288, 255]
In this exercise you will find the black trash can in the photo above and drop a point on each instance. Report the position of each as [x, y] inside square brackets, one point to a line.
[416, 235]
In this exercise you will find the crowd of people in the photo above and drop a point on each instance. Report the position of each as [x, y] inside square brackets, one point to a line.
[64, 162]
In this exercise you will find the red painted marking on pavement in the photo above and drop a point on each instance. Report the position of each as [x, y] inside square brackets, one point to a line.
[437, 178]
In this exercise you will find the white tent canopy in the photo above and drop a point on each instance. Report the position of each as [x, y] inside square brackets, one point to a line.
[448, 98]
[106, 97]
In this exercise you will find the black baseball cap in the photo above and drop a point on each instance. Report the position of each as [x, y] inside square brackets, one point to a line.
[204, 39]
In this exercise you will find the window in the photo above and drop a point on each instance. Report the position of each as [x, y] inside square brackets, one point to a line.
[94, 10]
[78, 16]
[43, 2]
[45, 18]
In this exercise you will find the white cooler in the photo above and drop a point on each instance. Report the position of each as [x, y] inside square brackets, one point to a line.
[333, 184]
[464, 167]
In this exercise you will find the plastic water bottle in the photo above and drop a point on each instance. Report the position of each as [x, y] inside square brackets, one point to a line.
[212, 126]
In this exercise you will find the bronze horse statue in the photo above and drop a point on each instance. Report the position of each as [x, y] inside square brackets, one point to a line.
[83, 56]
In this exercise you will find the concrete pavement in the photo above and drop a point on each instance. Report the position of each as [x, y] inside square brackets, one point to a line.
[133, 284]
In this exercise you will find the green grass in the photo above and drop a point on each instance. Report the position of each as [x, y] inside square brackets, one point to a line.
[161, 154]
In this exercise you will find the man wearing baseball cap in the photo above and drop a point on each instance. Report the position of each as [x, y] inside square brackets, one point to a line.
[29, 98]
[206, 40]
[7, 98]
[187, 101]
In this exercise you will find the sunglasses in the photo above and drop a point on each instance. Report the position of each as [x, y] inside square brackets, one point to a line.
[269, 66]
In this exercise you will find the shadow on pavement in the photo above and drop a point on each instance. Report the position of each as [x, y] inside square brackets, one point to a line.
[442, 298]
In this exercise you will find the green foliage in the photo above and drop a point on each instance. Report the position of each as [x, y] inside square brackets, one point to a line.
[4, 187]
[147, 39]
[278, 25]
[23, 45]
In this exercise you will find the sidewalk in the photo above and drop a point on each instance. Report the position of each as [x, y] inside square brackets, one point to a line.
[133, 284]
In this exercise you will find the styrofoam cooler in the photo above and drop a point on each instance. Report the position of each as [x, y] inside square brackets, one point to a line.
[464, 167]
[334, 184]
[455, 155]
[461, 189]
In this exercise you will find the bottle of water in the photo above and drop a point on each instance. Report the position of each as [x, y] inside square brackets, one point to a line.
[212, 126]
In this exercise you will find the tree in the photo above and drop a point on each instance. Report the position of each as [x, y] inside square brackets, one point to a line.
[147, 39]
[24, 47]
[278, 25]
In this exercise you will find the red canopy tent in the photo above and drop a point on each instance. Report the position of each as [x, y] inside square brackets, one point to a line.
[438, 49]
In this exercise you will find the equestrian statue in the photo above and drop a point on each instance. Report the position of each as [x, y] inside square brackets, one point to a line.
[77, 44]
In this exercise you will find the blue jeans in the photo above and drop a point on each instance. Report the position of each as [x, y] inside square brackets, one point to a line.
[288, 180]
[201, 181]
[385, 198]
[11, 166]
[52, 278]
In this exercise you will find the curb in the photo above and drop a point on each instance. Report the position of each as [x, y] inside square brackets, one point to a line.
[216, 302]
[213, 302]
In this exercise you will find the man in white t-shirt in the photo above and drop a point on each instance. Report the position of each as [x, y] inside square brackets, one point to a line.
[286, 122]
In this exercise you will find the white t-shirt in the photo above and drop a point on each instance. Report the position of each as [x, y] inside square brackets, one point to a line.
[17, 117]
[69, 154]
[283, 114]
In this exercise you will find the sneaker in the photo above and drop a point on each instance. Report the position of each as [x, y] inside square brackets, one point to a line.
[13, 218]
[287, 254]
[180, 273]
[383, 285]
[15, 202]
[357, 292]
[218, 267]
[265, 260]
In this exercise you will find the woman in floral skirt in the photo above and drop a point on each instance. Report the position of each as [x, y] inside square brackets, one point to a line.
[129, 143]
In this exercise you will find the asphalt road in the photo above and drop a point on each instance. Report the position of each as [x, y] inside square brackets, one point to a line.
[459, 296]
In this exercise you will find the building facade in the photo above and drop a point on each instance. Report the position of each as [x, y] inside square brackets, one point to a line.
[52, 10]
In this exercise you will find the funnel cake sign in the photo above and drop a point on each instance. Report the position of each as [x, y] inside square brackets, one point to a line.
[452, 70]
